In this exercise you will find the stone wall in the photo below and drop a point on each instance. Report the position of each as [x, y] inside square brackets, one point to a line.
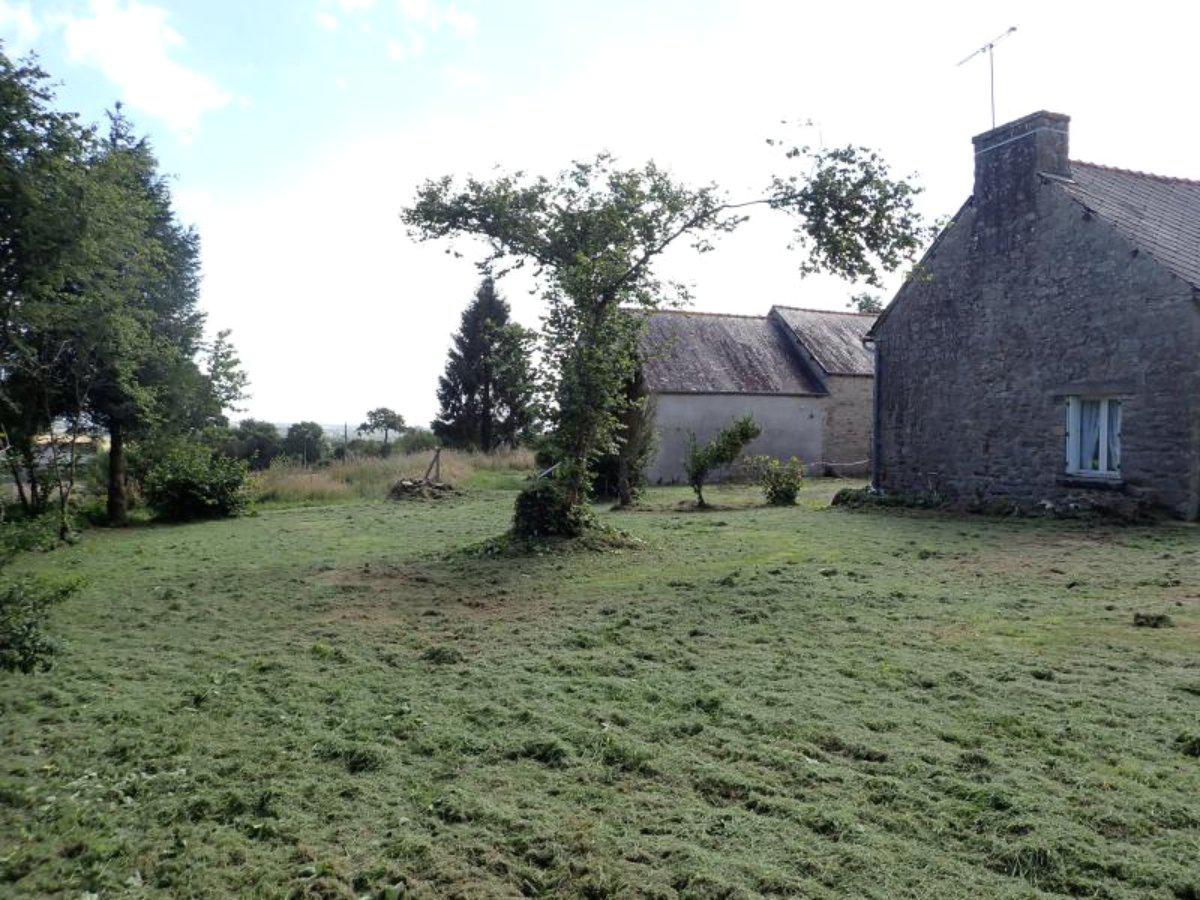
[792, 426]
[1028, 300]
[848, 424]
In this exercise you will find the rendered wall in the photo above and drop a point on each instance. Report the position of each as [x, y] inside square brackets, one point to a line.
[792, 426]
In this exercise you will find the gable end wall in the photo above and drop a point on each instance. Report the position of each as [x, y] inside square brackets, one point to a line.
[1024, 306]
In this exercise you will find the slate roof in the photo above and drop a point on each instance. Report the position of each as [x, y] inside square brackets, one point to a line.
[1160, 215]
[707, 353]
[835, 339]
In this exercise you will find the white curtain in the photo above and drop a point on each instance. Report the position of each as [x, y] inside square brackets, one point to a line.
[1089, 435]
[1114, 435]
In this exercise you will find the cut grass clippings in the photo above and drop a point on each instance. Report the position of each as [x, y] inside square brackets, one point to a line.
[338, 701]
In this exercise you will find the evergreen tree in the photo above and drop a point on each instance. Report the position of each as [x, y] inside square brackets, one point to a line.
[147, 327]
[99, 323]
[487, 392]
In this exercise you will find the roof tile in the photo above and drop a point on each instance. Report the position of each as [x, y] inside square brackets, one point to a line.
[1160, 215]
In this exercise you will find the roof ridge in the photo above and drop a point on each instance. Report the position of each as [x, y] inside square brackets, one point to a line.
[829, 312]
[700, 312]
[1138, 172]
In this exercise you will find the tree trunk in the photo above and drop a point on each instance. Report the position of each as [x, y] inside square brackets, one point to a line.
[118, 503]
[19, 482]
[624, 483]
[485, 418]
[37, 501]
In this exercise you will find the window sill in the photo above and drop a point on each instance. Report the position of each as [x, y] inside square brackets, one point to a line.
[1097, 481]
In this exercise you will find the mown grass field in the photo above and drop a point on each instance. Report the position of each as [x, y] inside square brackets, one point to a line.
[333, 701]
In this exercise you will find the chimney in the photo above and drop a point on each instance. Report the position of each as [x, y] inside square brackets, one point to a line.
[1009, 158]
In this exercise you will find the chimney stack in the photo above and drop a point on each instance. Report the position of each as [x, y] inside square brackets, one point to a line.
[1009, 158]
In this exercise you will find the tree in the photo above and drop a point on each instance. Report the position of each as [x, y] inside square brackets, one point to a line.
[49, 249]
[256, 443]
[306, 442]
[150, 321]
[723, 450]
[594, 233]
[228, 381]
[98, 295]
[487, 391]
[866, 302]
[385, 420]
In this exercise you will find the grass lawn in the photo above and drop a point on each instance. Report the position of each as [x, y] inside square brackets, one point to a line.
[331, 701]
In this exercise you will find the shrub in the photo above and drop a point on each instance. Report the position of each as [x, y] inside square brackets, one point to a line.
[1189, 743]
[1152, 620]
[23, 533]
[24, 606]
[621, 473]
[192, 482]
[415, 440]
[544, 510]
[780, 481]
[722, 450]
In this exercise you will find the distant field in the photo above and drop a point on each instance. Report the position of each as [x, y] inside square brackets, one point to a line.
[329, 701]
[369, 478]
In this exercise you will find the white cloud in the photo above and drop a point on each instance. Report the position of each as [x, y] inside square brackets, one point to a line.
[18, 25]
[416, 10]
[396, 303]
[327, 21]
[432, 16]
[461, 23]
[466, 79]
[353, 6]
[131, 43]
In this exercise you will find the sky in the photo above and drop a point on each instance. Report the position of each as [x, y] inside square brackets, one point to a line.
[296, 131]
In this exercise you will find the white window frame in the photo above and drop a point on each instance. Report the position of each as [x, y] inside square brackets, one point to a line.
[1074, 410]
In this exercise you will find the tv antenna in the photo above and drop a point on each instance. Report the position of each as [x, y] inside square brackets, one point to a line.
[987, 48]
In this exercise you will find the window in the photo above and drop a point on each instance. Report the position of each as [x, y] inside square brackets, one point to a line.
[1094, 437]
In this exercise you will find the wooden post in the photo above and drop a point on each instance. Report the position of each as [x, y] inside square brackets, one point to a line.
[436, 462]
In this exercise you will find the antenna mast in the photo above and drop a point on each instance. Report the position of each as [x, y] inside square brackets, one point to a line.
[987, 48]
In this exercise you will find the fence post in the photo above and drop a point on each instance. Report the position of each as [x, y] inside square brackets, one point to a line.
[435, 463]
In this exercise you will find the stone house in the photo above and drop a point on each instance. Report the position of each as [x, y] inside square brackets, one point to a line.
[1049, 347]
[805, 375]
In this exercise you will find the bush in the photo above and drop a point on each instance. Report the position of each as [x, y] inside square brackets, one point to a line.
[780, 481]
[544, 510]
[192, 482]
[20, 533]
[415, 440]
[24, 606]
[722, 450]
[621, 473]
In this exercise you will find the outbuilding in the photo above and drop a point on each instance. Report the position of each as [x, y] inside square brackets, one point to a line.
[803, 374]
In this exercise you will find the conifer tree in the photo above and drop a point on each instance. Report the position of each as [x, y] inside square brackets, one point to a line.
[486, 394]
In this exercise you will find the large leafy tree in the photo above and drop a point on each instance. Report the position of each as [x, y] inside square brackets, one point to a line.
[47, 250]
[256, 442]
[487, 391]
[382, 419]
[594, 233]
[306, 442]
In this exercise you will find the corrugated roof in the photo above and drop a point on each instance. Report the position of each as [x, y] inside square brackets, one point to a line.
[835, 339]
[707, 353]
[1160, 215]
